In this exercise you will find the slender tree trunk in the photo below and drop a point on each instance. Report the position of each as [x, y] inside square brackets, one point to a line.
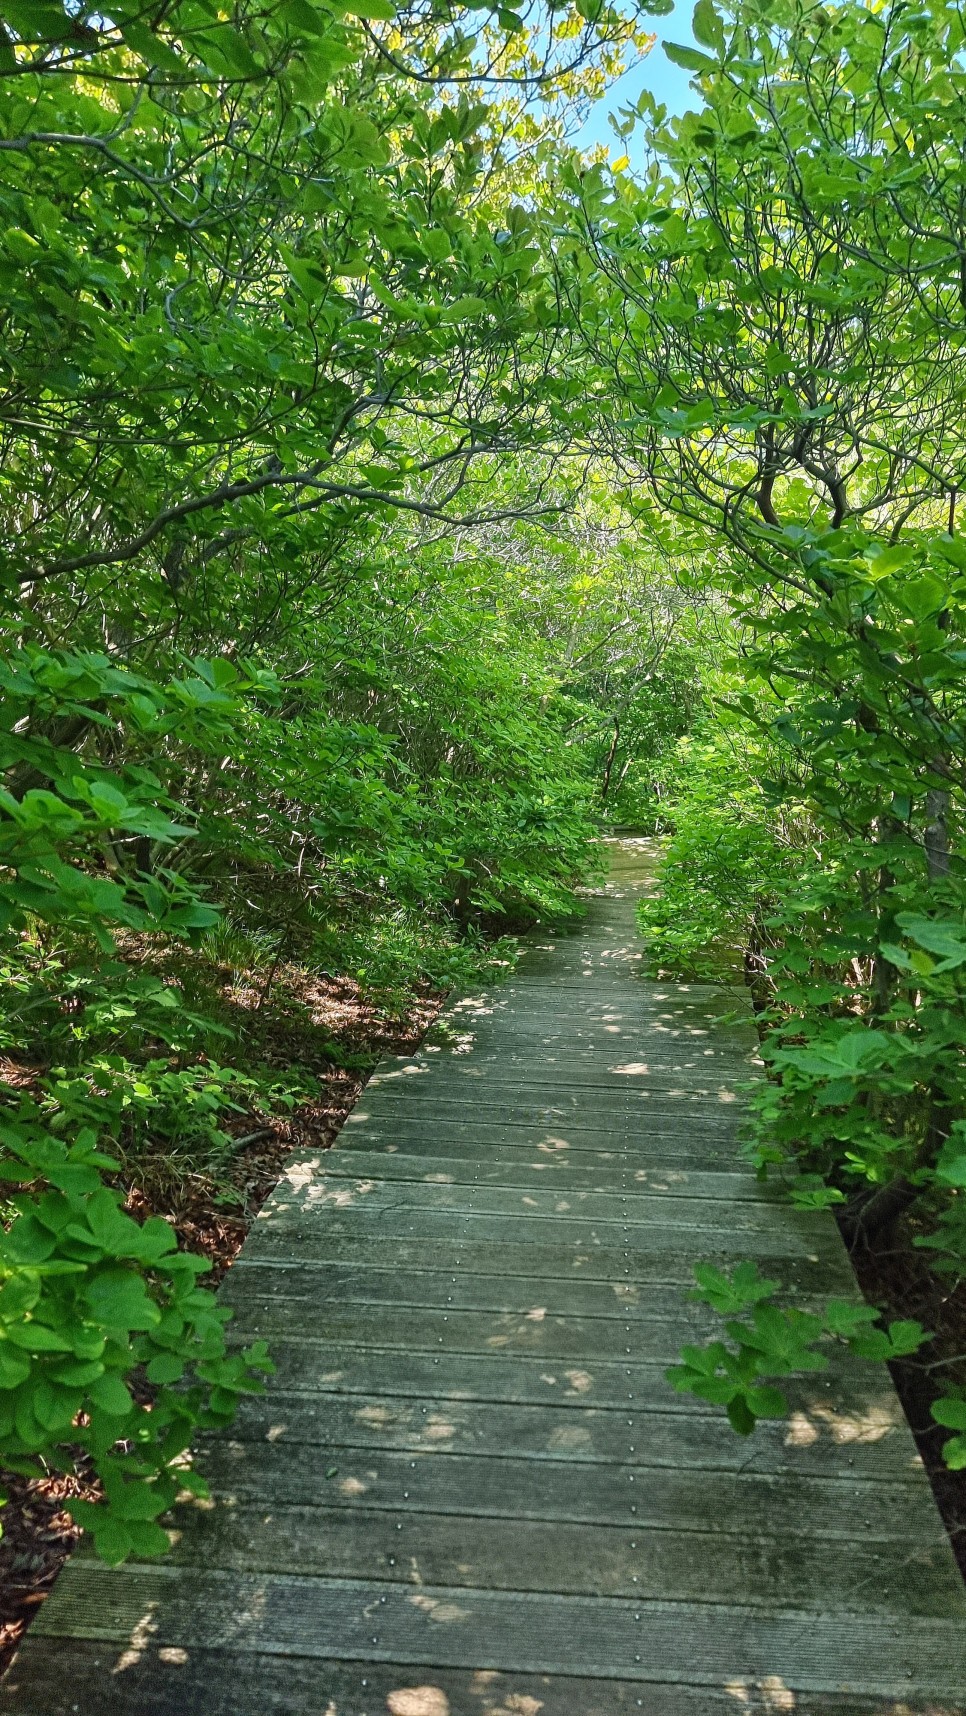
[609, 765]
[936, 839]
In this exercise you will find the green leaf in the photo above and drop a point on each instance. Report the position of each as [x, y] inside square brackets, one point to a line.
[78, 1373]
[689, 58]
[165, 1368]
[954, 1453]
[707, 25]
[465, 310]
[924, 596]
[950, 1411]
[38, 20]
[308, 277]
[151, 48]
[884, 560]
[306, 17]
[947, 938]
[109, 1394]
[900, 1339]
[119, 1299]
[14, 1367]
[740, 1415]
[727, 1296]
[767, 1402]
[112, 1537]
[844, 1318]
[146, 1538]
[37, 1338]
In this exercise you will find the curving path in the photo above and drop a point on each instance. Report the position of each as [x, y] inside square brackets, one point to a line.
[469, 1490]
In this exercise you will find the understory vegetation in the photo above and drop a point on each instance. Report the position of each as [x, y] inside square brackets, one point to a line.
[394, 494]
[798, 323]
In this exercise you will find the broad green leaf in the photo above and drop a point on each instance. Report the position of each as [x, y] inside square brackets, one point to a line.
[707, 26]
[950, 1411]
[689, 58]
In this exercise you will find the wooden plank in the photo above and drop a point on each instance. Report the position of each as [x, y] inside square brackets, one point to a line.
[614, 1074]
[790, 1504]
[651, 1005]
[315, 1365]
[649, 999]
[693, 1038]
[606, 1638]
[628, 1105]
[537, 1332]
[559, 1098]
[664, 1000]
[632, 1059]
[522, 997]
[592, 965]
[873, 1442]
[631, 1101]
[533, 1257]
[632, 1062]
[509, 1554]
[344, 1284]
[665, 1046]
[308, 1187]
[154, 1680]
[676, 1021]
[468, 1167]
[624, 1128]
[486, 1143]
[534, 1007]
[638, 1124]
[586, 987]
[419, 1328]
[796, 1236]
[518, 1032]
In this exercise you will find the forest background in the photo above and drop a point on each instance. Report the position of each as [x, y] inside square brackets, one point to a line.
[394, 493]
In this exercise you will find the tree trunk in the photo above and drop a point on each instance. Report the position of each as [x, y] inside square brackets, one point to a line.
[609, 765]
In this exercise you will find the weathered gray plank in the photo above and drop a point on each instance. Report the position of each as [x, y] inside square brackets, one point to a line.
[519, 1037]
[536, 1332]
[705, 1234]
[873, 1443]
[621, 1109]
[673, 1006]
[470, 1168]
[343, 1284]
[550, 1070]
[314, 1365]
[509, 1554]
[429, 1134]
[435, 1482]
[610, 1059]
[152, 1680]
[662, 1138]
[536, 1010]
[654, 1256]
[558, 1151]
[607, 1638]
[308, 1187]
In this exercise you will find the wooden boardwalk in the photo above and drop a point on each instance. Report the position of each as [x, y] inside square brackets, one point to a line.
[470, 1490]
